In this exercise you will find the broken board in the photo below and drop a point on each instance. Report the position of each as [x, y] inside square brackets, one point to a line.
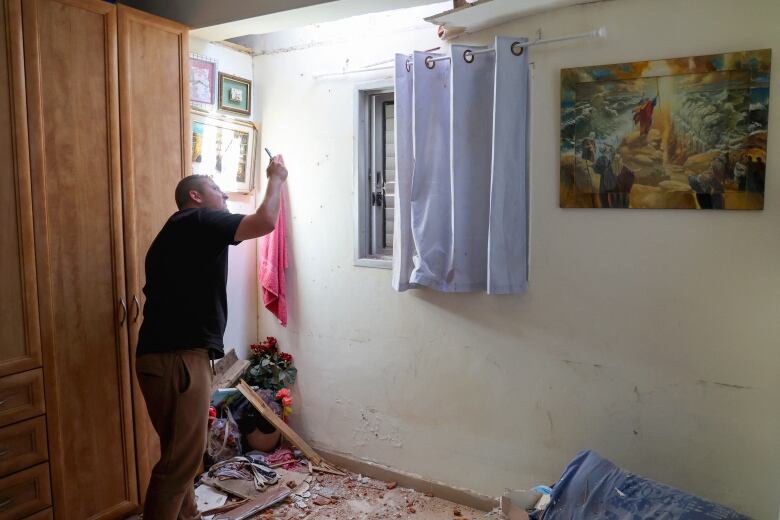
[279, 424]
[226, 362]
[228, 377]
[254, 506]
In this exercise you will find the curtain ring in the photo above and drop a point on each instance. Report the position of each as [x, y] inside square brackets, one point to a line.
[408, 66]
[468, 56]
[517, 48]
[429, 62]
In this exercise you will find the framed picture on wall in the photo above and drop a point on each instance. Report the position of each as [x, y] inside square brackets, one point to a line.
[203, 72]
[680, 133]
[223, 149]
[235, 94]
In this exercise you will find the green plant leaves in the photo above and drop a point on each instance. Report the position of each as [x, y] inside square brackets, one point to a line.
[269, 370]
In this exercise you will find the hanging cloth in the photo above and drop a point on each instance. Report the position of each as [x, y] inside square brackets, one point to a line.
[273, 262]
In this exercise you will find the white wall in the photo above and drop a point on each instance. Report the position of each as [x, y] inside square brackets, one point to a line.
[649, 336]
[241, 328]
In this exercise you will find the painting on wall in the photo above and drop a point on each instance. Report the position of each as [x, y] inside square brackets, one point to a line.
[224, 150]
[685, 133]
[203, 71]
[235, 94]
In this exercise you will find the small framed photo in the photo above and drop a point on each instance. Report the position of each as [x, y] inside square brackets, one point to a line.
[235, 94]
[203, 72]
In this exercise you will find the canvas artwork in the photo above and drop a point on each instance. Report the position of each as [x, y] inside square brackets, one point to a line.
[685, 133]
[224, 150]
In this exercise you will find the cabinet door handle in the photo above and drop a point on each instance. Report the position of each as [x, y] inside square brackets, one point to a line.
[137, 308]
[124, 311]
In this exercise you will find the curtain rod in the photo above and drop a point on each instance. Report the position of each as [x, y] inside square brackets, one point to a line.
[601, 32]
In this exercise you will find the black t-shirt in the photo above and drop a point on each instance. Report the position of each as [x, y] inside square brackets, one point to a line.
[186, 278]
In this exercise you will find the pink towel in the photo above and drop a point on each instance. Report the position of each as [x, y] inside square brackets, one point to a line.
[273, 262]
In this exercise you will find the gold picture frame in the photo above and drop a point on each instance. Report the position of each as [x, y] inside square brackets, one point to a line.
[224, 149]
[235, 94]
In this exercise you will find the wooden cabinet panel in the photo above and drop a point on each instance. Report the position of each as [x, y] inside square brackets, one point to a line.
[46, 514]
[19, 337]
[23, 445]
[154, 107]
[21, 396]
[25, 493]
[70, 51]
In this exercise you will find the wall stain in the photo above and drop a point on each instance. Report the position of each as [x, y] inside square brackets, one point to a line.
[580, 363]
[373, 428]
[724, 385]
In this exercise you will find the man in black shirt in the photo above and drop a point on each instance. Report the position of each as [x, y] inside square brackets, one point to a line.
[184, 321]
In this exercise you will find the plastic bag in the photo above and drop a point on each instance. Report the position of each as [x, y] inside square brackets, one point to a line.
[224, 439]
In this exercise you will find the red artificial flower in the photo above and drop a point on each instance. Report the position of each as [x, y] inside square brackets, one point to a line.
[287, 401]
[284, 356]
[281, 394]
[265, 347]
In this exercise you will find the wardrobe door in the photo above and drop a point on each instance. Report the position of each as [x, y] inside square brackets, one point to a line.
[19, 338]
[71, 57]
[154, 108]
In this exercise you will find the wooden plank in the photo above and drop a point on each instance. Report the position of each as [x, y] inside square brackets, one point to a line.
[279, 424]
[329, 469]
[229, 377]
[221, 366]
[223, 509]
[252, 507]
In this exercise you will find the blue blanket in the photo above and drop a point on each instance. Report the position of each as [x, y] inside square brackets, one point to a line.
[593, 488]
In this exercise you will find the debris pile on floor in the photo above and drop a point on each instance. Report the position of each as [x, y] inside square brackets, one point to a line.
[288, 481]
[328, 496]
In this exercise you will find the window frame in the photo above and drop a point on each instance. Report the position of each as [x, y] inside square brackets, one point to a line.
[365, 148]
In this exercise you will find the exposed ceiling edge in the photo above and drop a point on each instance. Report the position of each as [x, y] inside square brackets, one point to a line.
[300, 17]
[482, 14]
[236, 46]
[204, 13]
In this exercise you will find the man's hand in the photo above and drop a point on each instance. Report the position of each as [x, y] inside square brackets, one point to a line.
[276, 169]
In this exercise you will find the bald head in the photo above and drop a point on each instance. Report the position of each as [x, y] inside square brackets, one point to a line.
[187, 184]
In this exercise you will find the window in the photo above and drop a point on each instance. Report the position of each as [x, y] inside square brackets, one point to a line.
[375, 172]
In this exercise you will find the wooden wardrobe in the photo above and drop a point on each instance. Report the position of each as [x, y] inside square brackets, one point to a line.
[95, 135]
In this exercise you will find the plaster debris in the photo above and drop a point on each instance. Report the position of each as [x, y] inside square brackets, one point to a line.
[358, 497]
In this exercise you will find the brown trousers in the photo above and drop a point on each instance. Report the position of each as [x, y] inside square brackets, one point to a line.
[176, 388]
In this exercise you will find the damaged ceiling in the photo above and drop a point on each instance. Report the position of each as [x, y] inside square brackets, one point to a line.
[230, 19]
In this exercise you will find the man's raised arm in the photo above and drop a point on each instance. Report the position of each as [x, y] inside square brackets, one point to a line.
[263, 220]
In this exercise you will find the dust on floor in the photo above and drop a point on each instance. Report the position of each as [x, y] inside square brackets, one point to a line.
[333, 497]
